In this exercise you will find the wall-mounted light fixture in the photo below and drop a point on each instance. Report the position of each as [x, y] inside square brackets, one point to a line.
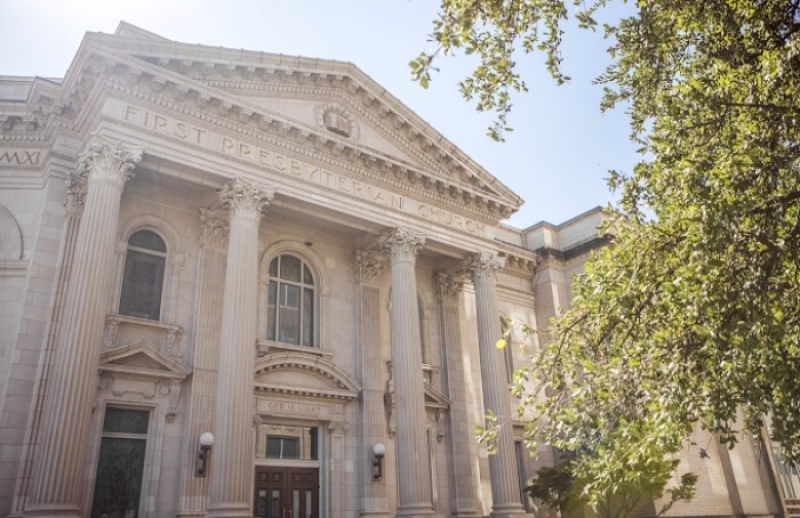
[377, 463]
[206, 442]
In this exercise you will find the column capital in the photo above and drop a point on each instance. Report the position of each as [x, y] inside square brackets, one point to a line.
[244, 198]
[108, 160]
[402, 243]
[449, 286]
[484, 265]
[214, 229]
[76, 194]
[370, 265]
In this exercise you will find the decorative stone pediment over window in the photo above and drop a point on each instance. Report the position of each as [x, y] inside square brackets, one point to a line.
[299, 374]
[140, 368]
[122, 329]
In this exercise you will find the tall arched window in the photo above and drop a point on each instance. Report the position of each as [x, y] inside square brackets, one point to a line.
[143, 278]
[290, 302]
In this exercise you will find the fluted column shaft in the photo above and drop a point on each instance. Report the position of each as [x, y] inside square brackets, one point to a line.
[231, 460]
[412, 450]
[502, 465]
[58, 474]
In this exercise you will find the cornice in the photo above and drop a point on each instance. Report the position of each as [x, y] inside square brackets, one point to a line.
[162, 79]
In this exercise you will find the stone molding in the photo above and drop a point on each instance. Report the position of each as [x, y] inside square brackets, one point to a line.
[244, 199]
[107, 160]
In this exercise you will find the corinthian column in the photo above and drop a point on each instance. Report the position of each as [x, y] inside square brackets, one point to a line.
[232, 457]
[502, 465]
[58, 473]
[412, 448]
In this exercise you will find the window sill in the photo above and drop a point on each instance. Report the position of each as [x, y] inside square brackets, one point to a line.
[266, 347]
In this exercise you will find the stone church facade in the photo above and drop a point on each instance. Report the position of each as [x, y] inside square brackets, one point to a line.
[272, 255]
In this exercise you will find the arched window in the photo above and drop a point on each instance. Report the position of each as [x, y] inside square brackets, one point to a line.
[143, 278]
[290, 302]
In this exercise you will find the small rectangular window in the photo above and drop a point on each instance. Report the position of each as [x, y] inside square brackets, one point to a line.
[287, 442]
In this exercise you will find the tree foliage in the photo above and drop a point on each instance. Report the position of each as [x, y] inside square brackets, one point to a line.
[692, 318]
[559, 488]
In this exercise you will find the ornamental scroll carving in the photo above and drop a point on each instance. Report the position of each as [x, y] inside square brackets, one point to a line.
[484, 266]
[244, 199]
[370, 266]
[107, 160]
[402, 243]
[214, 229]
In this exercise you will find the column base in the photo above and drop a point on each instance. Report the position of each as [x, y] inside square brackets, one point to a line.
[466, 514]
[375, 514]
[511, 514]
[229, 511]
[53, 511]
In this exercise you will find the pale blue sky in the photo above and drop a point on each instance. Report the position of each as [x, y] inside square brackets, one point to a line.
[556, 159]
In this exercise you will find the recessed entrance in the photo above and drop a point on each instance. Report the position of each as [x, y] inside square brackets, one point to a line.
[286, 492]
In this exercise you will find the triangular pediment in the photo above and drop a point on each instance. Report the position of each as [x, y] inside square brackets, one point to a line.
[434, 398]
[143, 358]
[328, 106]
[303, 374]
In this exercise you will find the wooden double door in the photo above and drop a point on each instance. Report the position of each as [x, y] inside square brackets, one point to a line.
[286, 492]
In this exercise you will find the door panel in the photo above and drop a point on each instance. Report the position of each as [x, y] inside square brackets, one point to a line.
[286, 493]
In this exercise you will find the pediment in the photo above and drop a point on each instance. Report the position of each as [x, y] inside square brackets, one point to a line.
[287, 97]
[303, 374]
[142, 358]
[434, 398]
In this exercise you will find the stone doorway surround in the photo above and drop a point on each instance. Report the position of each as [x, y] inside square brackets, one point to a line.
[307, 389]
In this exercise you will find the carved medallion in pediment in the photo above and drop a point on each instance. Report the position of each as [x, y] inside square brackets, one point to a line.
[338, 120]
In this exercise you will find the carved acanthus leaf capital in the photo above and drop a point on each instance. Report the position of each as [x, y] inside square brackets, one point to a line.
[370, 265]
[484, 266]
[449, 286]
[214, 229]
[76, 195]
[402, 243]
[108, 160]
[244, 198]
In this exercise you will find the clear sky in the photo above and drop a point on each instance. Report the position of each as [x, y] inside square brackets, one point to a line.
[557, 158]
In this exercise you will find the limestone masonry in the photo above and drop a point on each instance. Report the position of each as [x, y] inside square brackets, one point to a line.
[274, 250]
